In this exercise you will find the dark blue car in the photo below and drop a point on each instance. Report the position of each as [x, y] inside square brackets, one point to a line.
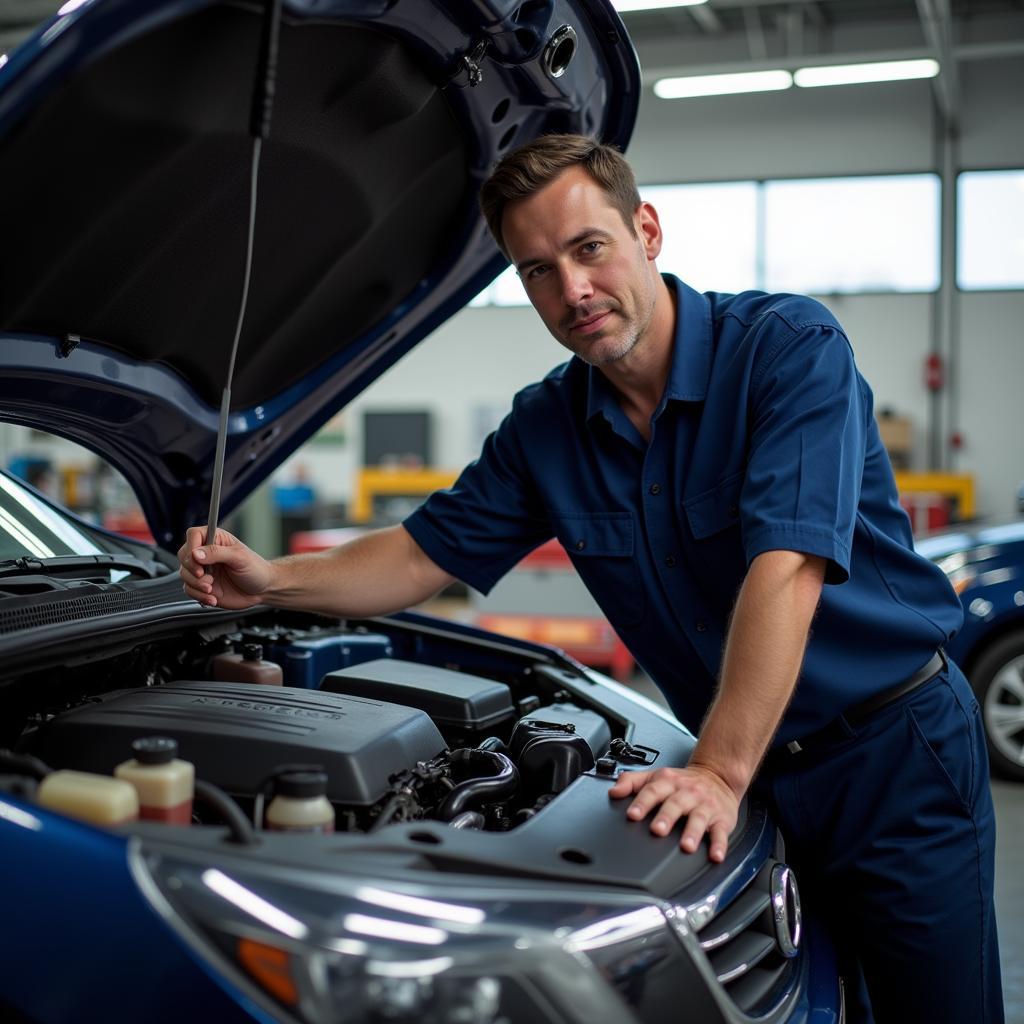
[158, 161]
[985, 565]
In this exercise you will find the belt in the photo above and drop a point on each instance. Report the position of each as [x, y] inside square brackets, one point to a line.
[838, 729]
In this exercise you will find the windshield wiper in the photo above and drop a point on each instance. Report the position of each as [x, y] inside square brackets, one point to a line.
[85, 566]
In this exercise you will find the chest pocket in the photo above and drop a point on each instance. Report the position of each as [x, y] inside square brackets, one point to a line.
[714, 521]
[601, 547]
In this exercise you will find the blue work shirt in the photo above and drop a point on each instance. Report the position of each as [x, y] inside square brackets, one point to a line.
[764, 440]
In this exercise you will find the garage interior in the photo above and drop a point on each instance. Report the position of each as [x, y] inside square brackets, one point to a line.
[910, 195]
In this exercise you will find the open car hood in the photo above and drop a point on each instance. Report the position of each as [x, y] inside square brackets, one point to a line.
[126, 157]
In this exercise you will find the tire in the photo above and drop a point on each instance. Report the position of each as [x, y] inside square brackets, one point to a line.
[998, 682]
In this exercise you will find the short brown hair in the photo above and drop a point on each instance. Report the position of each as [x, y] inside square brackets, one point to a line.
[528, 169]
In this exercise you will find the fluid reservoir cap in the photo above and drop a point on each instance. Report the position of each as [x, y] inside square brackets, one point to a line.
[252, 652]
[155, 749]
[301, 784]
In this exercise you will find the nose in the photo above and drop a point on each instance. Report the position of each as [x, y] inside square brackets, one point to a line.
[576, 286]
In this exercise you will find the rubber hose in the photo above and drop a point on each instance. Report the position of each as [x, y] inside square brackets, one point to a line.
[238, 823]
[467, 820]
[503, 781]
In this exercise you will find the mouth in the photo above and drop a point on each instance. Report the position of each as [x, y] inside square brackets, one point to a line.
[591, 324]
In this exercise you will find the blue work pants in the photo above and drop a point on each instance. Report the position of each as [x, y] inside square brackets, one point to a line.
[891, 832]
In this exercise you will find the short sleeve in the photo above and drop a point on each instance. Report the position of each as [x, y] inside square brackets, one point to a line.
[489, 519]
[806, 453]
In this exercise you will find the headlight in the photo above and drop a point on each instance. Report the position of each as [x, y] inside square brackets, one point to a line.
[329, 948]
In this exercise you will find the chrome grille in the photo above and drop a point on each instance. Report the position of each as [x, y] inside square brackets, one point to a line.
[741, 947]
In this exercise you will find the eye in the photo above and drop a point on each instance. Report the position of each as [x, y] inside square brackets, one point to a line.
[535, 273]
[590, 248]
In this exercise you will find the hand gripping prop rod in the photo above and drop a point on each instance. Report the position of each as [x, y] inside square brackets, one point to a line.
[259, 129]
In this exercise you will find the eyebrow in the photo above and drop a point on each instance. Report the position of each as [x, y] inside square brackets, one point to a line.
[575, 240]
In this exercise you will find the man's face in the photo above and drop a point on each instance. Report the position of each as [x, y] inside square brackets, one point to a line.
[589, 277]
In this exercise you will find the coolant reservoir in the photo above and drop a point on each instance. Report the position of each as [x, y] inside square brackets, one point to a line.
[164, 783]
[247, 667]
[95, 798]
[300, 803]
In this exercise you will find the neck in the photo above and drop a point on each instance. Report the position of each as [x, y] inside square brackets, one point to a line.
[641, 375]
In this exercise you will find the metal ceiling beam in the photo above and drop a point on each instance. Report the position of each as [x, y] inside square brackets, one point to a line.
[705, 17]
[756, 43]
[815, 15]
[937, 23]
[792, 24]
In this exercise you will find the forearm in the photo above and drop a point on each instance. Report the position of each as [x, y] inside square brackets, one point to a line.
[763, 654]
[379, 573]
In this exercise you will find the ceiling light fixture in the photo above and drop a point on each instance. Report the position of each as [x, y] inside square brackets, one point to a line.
[628, 6]
[855, 74]
[721, 85]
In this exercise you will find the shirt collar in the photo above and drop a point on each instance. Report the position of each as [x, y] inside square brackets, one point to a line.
[691, 357]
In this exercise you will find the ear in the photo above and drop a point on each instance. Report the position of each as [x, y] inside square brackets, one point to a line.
[648, 229]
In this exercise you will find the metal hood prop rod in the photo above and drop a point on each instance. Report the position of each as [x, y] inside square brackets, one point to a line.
[259, 129]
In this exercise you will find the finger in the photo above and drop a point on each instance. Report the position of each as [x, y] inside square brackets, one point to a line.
[693, 833]
[193, 580]
[719, 842]
[194, 537]
[217, 554]
[201, 596]
[649, 797]
[628, 782]
[677, 806]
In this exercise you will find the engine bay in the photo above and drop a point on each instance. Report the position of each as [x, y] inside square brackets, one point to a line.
[407, 724]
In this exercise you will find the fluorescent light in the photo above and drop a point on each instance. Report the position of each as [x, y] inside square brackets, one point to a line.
[719, 85]
[853, 74]
[409, 968]
[254, 905]
[624, 6]
[17, 816]
[416, 905]
[385, 928]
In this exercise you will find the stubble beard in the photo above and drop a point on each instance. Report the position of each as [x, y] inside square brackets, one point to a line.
[626, 344]
[633, 330]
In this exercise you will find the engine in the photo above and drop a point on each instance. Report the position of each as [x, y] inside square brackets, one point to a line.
[398, 739]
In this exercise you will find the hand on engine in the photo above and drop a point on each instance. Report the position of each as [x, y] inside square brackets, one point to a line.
[696, 793]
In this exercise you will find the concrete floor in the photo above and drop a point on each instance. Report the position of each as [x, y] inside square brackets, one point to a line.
[1009, 801]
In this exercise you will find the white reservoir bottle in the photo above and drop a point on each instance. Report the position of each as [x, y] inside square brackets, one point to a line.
[164, 782]
[95, 798]
[300, 803]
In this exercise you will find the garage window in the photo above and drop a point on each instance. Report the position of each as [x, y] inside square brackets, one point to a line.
[711, 233]
[847, 235]
[990, 206]
[822, 236]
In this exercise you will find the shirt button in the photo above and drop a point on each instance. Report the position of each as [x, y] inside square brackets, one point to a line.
[655, 488]
[580, 545]
[702, 627]
[734, 511]
[670, 561]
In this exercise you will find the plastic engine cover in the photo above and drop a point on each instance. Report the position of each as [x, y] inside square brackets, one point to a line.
[455, 700]
[554, 745]
[236, 734]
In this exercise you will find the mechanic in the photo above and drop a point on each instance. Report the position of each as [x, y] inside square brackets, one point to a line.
[711, 464]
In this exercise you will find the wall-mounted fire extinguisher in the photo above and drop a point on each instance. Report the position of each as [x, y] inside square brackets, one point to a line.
[934, 372]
